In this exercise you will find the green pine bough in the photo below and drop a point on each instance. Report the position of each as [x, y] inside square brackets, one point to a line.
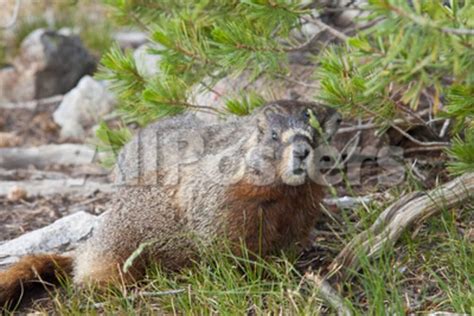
[417, 53]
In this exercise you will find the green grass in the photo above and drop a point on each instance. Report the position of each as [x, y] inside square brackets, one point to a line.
[219, 284]
[3, 53]
[430, 270]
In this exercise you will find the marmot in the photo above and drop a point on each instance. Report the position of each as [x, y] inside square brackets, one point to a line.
[251, 180]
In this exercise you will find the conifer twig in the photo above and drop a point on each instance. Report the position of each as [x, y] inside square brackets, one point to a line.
[204, 108]
[426, 22]
[298, 82]
[303, 45]
[330, 29]
[444, 128]
[401, 131]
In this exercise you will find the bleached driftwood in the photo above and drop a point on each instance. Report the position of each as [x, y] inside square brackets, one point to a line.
[50, 187]
[410, 209]
[42, 156]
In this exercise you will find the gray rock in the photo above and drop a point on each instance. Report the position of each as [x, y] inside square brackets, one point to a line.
[82, 107]
[60, 236]
[49, 64]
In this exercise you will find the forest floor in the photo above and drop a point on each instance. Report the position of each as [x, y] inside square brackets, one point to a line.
[430, 269]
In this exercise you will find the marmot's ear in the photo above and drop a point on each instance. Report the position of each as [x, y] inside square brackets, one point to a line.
[331, 123]
[326, 121]
[263, 118]
[261, 125]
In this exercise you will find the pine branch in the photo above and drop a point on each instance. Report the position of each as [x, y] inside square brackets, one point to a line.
[426, 22]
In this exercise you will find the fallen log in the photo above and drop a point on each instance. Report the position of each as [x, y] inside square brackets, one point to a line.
[36, 174]
[30, 174]
[43, 156]
[51, 187]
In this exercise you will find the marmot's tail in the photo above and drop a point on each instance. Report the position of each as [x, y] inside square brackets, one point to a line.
[29, 272]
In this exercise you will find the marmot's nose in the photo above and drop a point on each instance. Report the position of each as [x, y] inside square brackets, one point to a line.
[301, 151]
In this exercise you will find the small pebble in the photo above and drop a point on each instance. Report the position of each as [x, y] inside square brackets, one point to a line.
[16, 194]
[9, 140]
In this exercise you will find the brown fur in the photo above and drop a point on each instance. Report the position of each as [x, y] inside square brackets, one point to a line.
[269, 219]
[30, 271]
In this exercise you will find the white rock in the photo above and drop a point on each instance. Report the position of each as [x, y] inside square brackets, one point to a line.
[148, 64]
[130, 39]
[61, 235]
[82, 107]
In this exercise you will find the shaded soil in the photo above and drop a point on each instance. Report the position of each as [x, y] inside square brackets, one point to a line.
[33, 127]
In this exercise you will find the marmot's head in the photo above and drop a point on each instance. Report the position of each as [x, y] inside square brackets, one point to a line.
[286, 142]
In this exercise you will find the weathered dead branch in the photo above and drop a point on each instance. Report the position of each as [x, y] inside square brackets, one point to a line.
[410, 209]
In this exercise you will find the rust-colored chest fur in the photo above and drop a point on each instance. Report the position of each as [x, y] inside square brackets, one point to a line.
[270, 218]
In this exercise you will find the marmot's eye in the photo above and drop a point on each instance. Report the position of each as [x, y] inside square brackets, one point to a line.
[274, 135]
[306, 114]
